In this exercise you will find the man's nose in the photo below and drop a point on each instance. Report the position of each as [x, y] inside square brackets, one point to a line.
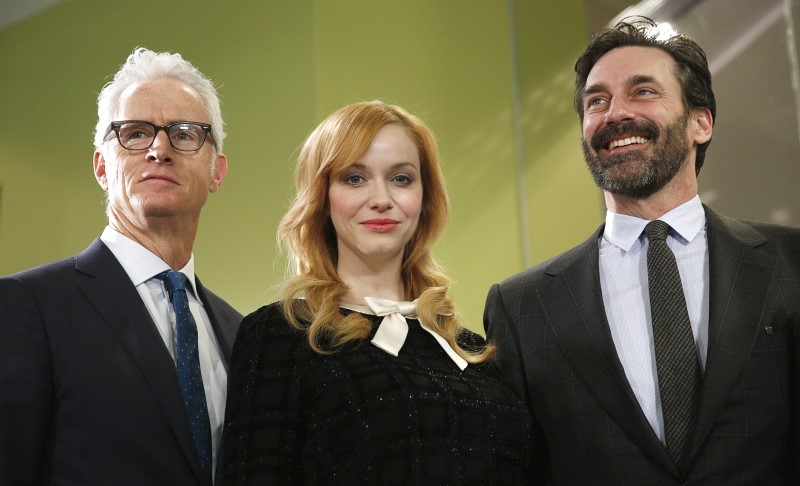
[161, 148]
[619, 109]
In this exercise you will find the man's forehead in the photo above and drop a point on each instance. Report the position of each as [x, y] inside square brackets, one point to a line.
[631, 65]
[172, 97]
[166, 87]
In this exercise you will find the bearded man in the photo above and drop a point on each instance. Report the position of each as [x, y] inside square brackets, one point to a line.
[660, 351]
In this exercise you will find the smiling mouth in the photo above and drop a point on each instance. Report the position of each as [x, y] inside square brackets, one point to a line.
[624, 142]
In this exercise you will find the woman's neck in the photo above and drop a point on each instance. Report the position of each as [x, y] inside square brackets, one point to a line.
[364, 280]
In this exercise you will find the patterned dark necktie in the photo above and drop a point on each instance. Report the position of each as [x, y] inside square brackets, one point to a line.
[679, 374]
[188, 364]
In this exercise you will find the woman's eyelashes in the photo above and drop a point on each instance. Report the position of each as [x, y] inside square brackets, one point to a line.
[400, 179]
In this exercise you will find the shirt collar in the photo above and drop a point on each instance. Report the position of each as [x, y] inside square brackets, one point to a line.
[138, 262]
[686, 220]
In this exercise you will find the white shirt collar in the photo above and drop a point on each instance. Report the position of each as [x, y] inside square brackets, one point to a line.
[138, 262]
[686, 220]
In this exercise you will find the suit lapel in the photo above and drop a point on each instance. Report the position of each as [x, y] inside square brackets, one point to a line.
[224, 321]
[573, 305]
[740, 279]
[112, 294]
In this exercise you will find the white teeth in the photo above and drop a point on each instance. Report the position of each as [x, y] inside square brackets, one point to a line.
[626, 141]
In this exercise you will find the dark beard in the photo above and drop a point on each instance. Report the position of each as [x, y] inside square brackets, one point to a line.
[631, 174]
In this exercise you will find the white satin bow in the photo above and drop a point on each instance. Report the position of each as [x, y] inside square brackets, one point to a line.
[393, 329]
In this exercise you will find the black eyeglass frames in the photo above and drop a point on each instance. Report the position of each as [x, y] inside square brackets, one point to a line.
[186, 136]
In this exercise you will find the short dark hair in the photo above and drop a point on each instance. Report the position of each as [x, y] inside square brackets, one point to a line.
[692, 72]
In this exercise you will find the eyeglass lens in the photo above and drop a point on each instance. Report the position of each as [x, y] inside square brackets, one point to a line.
[182, 136]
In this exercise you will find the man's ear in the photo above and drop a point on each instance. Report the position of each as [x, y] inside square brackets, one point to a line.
[702, 125]
[99, 163]
[220, 170]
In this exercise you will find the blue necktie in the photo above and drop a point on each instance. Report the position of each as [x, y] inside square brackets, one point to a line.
[188, 361]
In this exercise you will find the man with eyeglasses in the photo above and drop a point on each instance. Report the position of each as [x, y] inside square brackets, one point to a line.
[113, 363]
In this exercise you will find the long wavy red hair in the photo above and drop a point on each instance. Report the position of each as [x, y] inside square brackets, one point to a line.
[311, 296]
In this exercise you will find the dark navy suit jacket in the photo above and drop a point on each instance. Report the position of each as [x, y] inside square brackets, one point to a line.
[88, 391]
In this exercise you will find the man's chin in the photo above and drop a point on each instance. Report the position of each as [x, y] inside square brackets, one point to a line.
[634, 189]
[160, 206]
[624, 180]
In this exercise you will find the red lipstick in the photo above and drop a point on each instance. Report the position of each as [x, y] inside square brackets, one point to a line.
[380, 225]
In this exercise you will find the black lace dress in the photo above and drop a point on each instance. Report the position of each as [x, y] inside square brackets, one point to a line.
[363, 416]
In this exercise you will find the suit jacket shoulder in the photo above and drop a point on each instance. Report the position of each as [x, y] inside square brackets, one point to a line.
[781, 239]
[541, 272]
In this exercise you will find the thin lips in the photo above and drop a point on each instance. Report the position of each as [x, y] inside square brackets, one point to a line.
[148, 177]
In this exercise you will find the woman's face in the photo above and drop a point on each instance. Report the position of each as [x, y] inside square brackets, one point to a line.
[375, 204]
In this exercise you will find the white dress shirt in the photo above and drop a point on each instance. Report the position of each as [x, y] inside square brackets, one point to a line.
[623, 281]
[142, 266]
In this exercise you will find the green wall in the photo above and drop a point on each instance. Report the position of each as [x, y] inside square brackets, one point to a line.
[281, 67]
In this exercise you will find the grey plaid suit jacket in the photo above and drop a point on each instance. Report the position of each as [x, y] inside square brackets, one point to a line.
[555, 349]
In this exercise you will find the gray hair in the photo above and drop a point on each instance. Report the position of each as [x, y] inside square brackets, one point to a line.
[144, 65]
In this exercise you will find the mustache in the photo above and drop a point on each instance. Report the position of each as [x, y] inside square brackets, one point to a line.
[644, 128]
